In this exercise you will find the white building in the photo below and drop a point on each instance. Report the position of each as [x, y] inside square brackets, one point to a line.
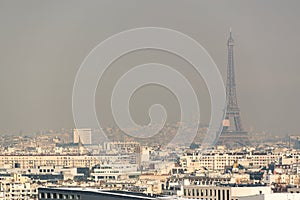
[114, 172]
[222, 192]
[16, 187]
[274, 196]
[83, 135]
[218, 160]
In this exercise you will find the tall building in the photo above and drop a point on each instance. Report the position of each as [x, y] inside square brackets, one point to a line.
[232, 132]
[83, 135]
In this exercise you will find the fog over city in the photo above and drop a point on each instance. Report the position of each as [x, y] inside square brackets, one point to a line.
[43, 43]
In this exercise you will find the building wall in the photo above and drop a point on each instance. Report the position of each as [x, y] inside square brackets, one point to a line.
[34, 161]
[47, 194]
[84, 135]
[16, 187]
[218, 161]
[275, 196]
[222, 193]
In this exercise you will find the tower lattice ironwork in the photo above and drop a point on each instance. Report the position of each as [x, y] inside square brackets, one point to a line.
[232, 132]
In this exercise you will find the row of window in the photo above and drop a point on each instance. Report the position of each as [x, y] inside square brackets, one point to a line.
[58, 196]
[218, 194]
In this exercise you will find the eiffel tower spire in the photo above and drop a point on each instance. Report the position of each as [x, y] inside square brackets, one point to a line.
[232, 133]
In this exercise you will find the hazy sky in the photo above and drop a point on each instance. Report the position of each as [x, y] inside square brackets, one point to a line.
[43, 43]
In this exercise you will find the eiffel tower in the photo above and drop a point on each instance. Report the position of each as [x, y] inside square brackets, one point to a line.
[232, 134]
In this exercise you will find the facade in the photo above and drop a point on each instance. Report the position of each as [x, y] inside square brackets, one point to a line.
[34, 161]
[82, 135]
[16, 187]
[87, 194]
[223, 192]
[114, 172]
[274, 196]
[219, 160]
[48, 160]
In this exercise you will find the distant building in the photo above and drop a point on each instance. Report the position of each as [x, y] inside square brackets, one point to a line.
[50, 160]
[83, 135]
[114, 172]
[294, 142]
[33, 161]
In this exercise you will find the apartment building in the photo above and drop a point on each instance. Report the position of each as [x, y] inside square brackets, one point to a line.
[13, 161]
[16, 187]
[219, 160]
[225, 192]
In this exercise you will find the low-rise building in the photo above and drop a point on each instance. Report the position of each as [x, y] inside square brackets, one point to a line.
[274, 196]
[224, 192]
[17, 187]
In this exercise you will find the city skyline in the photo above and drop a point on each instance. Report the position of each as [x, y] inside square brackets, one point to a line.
[149, 100]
